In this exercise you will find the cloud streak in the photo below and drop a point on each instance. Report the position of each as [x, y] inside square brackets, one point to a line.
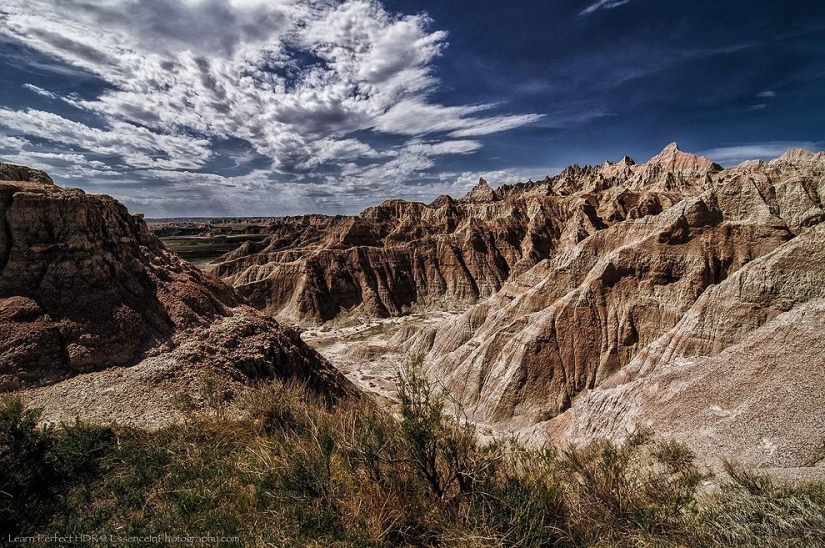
[735, 154]
[603, 5]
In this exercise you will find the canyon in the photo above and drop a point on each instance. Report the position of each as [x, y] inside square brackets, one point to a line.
[566, 300]
[674, 295]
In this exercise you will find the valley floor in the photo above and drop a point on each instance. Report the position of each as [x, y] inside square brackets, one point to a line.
[362, 348]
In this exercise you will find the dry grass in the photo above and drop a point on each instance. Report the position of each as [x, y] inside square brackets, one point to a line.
[294, 472]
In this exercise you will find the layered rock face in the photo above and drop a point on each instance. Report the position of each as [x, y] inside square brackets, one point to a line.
[620, 325]
[402, 256]
[758, 400]
[85, 286]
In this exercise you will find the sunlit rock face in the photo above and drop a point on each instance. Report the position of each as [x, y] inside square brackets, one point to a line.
[402, 256]
[666, 312]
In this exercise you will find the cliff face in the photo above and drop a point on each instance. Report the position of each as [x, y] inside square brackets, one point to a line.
[605, 297]
[741, 375]
[617, 316]
[402, 256]
[85, 286]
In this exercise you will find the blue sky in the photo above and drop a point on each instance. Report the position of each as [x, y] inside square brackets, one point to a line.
[275, 107]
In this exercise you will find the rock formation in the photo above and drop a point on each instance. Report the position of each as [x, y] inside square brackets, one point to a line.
[673, 294]
[715, 303]
[85, 286]
[401, 256]
[602, 298]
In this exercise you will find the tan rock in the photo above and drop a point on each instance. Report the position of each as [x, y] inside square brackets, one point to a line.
[400, 256]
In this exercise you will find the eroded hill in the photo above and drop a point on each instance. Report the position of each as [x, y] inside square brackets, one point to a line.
[85, 287]
[597, 300]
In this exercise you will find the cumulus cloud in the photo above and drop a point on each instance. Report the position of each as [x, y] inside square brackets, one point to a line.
[299, 81]
[603, 5]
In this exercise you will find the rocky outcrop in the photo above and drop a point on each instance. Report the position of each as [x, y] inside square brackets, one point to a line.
[615, 315]
[85, 286]
[11, 172]
[740, 376]
[402, 256]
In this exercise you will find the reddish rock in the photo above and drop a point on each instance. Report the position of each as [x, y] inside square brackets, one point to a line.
[84, 286]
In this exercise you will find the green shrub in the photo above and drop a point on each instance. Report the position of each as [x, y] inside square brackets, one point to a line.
[27, 472]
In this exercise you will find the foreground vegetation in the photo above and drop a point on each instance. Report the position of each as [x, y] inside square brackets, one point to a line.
[296, 472]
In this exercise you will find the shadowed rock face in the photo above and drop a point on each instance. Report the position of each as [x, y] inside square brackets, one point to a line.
[84, 286]
[402, 256]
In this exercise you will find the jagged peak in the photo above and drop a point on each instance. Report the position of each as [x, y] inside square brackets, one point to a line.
[482, 192]
[751, 164]
[801, 155]
[672, 158]
[671, 148]
[442, 200]
[625, 161]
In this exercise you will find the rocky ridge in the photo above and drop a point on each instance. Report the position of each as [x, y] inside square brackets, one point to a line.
[674, 294]
[403, 256]
[84, 286]
[702, 322]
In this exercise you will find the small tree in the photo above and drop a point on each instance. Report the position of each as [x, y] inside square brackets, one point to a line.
[443, 452]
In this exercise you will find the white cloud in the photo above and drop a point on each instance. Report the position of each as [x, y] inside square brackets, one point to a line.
[20, 151]
[295, 79]
[603, 4]
[417, 117]
[40, 91]
[464, 146]
[138, 146]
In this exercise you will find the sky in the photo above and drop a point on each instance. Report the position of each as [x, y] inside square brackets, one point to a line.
[280, 107]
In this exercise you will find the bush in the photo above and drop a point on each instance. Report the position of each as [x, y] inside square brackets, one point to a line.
[27, 473]
[750, 510]
[631, 489]
[36, 465]
[443, 452]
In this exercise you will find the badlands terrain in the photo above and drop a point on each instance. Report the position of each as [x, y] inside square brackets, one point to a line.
[620, 355]
[671, 294]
